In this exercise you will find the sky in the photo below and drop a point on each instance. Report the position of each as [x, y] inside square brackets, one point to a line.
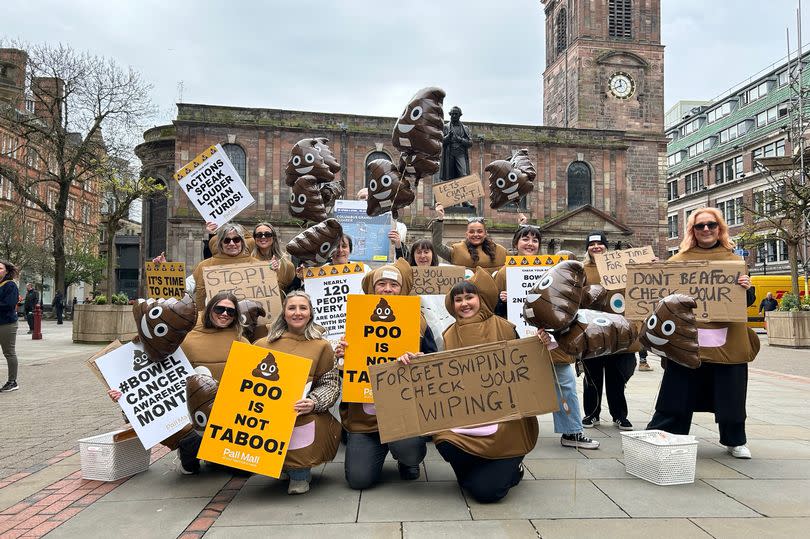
[370, 56]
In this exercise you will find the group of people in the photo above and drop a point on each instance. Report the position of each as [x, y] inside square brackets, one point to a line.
[487, 460]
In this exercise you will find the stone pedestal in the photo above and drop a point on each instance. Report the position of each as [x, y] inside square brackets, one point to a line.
[103, 323]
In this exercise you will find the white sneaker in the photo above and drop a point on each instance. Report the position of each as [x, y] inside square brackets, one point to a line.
[739, 452]
[298, 486]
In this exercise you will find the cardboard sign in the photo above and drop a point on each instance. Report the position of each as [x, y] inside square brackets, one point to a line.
[246, 281]
[153, 394]
[379, 329]
[713, 285]
[253, 417]
[213, 186]
[369, 234]
[522, 274]
[612, 265]
[166, 280]
[435, 280]
[328, 287]
[463, 387]
[464, 189]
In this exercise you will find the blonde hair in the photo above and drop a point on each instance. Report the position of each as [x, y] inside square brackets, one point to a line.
[279, 327]
[689, 240]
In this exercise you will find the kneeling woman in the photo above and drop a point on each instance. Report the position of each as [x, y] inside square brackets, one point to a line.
[316, 436]
[486, 459]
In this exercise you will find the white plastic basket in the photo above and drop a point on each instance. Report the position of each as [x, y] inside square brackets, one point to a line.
[660, 457]
[106, 459]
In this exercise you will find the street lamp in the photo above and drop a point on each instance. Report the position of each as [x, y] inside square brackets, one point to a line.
[763, 252]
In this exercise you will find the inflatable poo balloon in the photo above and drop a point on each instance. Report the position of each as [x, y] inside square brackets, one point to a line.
[509, 181]
[306, 201]
[554, 301]
[419, 128]
[521, 160]
[595, 333]
[201, 390]
[598, 298]
[316, 244]
[386, 191]
[330, 192]
[670, 331]
[267, 369]
[249, 313]
[417, 165]
[383, 312]
[163, 324]
[311, 156]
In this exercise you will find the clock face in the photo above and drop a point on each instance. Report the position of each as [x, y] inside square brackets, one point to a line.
[621, 85]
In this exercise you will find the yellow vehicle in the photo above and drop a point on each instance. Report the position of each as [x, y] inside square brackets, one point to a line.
[778, 285]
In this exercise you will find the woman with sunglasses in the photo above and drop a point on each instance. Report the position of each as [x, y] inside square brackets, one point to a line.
[477, 249]
[316, 436]
[231, 249]
[720, 384]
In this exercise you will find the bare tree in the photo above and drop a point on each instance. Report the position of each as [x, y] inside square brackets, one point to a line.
[76, 95]
[26, 255]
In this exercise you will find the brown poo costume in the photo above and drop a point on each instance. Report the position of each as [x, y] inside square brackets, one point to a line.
[553, 303]
[219, 259]
[498, 440]
[316, 436]
[355, 416]
[458, 254]
[209, 347]
[670, 331]
[285, 272]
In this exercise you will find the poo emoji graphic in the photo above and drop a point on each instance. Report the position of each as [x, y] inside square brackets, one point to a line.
[267, 369]
[140, 360]
[383, 312]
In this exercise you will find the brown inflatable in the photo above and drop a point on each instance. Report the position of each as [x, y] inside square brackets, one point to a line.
[249, 313]
[417, 165]
[316, 244]
[386, 191]
[419, 128]
[508, 182]
[554, 301]
[330, 192]
[163, 324]
[201, 390]
[521, 160]
[598, 298]
[670, 331]
[311, 156]
[306, 201]
[596, 333]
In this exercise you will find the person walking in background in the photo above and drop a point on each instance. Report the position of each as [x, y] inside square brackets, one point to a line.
[642, 361]
[58, 305]
[31, 300]
[768, 304]
[9, 296]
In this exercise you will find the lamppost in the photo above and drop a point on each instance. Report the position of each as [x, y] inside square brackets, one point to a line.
[763, 252]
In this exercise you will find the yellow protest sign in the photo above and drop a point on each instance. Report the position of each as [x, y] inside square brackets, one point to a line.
[534, 260]
[165, 280]
[379, 329]
[253, 416]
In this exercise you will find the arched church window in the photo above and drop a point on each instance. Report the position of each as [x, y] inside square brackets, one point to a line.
[562, 31]
[237, 156]
[579, 184]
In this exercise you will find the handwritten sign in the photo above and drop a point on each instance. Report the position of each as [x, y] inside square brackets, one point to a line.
[713, 285]
[165, 280]
[153, 394]
[463, 387]
[522, 274]
[246, 281]
[253, 417]
[434, 280]
[213, 186]
[328, 287]
[464, 189]
[379, 329]
[370, 234]
[612, 265]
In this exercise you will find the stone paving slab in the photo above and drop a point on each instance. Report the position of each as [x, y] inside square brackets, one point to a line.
[391, 502]
[385, 530]
[32, 484]
[769, 468]
[575, 468]
[506, 529]
[635, 528]
[735, 528]
[773, 498]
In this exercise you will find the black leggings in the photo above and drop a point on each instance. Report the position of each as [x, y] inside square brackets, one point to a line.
[487, 480]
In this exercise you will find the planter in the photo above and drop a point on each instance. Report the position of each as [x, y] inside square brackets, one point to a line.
[103, 323]
[788, 328]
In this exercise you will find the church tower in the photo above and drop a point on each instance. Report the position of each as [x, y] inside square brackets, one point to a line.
[604, 65]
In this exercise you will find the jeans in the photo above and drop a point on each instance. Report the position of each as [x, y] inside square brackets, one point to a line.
[8, 341]
[571, 422]
[301, 474]
[487, 480]
[365, 456]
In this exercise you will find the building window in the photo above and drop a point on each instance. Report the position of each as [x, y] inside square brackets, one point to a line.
[70, 211]
[728, 170]
[672, 251]
[782, 78]
[562, 29]
[86, 213]
[371, 157]
[690, 128]
[620, 19]
[768, 202]
[732, 210]
[771, 115]
[237, 156]
[758, 91]
[672, 226]
[672, 189]
[720, 112]
[734, 131]
[774, 149]
[579, 184]
[772, 250]
[675, 158]
[693, 182]
[157, 213]
[700, 147]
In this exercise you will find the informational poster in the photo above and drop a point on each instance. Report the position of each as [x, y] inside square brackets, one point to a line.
[153, 395]
[463, 388]
[255, 281]
[464, 189]
[436, 280]
[369, 234]
[253, 416]
[379, 329]
[165, 280]
[522, 274]
[612, 265]
[713, 285]
[328, 287]
[213, 186]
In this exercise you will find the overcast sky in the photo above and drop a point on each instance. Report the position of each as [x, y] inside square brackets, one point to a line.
[370, 56]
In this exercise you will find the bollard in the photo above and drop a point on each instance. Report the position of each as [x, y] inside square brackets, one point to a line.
[37, 322]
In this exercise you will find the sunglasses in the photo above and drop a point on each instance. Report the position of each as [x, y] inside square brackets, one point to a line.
[710, 225]
[226, 241]
[476, 220]
[221, 309]
[260, 235]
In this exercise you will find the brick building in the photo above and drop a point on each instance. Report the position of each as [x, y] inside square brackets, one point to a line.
[600, 159]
